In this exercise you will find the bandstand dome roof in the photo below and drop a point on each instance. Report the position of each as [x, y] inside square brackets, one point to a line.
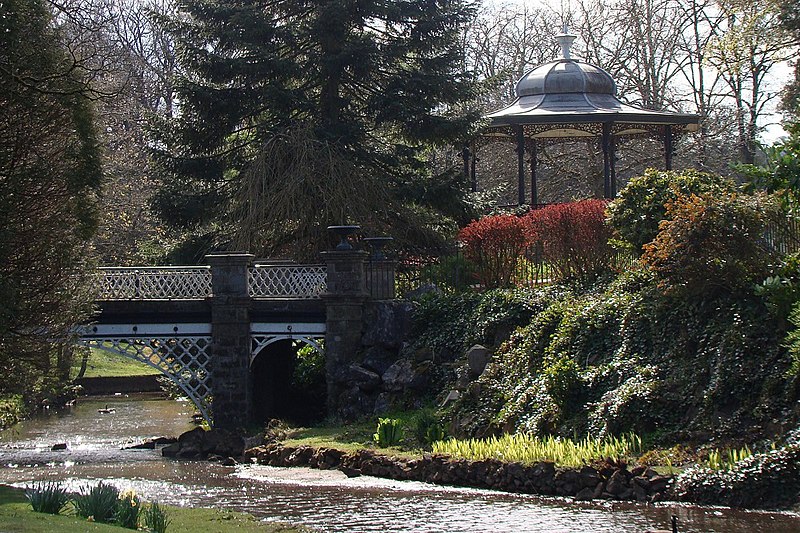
[568, 92]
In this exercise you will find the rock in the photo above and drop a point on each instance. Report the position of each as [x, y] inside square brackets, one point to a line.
[477, 357]
[422, 290]
[422, 377]
[617, 484]
[584, 494]
[350, 472]
[423, 354]
[193, 438]
[398, 376]
[222, 442]
[161, 441]
[659, 483]
[378, 359]
[389, 323]
[229, 461]
[354, 374]
[383, 403]
[58, 447]
[589, 477]
[146, 445]
[171, 450]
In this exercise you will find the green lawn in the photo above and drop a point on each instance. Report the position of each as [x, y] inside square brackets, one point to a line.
[16, 516]
[105, 364]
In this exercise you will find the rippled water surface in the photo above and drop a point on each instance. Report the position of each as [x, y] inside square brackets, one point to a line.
[325, 500]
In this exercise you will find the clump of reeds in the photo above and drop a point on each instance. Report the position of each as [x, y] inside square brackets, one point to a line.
[528, 449]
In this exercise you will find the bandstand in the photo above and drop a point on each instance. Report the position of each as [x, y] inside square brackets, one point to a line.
[570, 100]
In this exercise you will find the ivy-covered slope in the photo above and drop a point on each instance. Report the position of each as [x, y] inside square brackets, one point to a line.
[616, 357]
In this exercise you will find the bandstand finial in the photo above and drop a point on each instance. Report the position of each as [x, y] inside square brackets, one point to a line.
[565, 40]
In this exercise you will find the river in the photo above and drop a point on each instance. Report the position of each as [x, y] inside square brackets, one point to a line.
[324, 500]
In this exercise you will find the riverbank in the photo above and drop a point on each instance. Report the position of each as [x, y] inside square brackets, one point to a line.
[16, 515]
[601, 481]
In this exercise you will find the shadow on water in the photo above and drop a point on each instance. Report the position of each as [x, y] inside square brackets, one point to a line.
[326, 500]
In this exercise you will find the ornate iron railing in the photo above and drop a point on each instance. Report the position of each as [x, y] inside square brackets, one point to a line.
[287, 281]
[154, 283]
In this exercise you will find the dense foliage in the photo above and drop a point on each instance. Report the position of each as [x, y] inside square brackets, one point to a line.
[574, 238]
[49, 175]
[712, 242]
[675, 348]
[496, 245]
[766, 480]
[297, 115]
[635, 216]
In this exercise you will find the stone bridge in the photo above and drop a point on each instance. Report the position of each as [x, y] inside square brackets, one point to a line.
[205, 326]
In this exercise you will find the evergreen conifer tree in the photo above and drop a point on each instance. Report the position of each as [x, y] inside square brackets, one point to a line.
[297, 114]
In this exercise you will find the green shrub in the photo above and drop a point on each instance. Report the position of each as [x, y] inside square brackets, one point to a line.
[98, 502]
[388, 433]
[127, 510]
[47, 497]
[427, 428]
[155, 518]
[450, 273]
[636, 214]
[309, 371]
[712, 242]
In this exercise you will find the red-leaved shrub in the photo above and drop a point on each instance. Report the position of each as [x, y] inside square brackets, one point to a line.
[573, 238]
[495, 245]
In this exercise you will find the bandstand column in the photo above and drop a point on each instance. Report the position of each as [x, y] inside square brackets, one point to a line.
[668, 146]
[606, 144]
[534, 163]
[520, 165]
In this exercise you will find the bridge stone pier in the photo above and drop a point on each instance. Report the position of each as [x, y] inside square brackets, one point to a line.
[204, 326]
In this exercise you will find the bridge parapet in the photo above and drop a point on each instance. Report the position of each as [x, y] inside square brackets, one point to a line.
[287, 281]
[154, 283]
[194, 283]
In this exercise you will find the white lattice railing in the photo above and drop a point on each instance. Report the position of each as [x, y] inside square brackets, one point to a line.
[154, 283]
[287, 281]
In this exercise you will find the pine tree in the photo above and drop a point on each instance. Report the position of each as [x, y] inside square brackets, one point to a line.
[301, 113]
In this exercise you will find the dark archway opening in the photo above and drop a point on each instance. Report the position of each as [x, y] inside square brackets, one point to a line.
[289, 383]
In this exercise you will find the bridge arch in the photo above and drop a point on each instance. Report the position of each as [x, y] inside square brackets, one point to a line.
[183, 357]
[288, 384]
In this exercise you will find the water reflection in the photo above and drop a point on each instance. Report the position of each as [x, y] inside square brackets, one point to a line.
[326, 500]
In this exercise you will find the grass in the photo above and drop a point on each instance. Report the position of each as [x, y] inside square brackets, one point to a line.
[16, 516]
[349, 438]
[105, 364]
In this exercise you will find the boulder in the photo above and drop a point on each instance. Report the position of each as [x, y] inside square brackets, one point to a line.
[389, 323]
[58, 447]
[477, 357]
[617, 484]
[359, 376]
[398, 376]
[378, 359]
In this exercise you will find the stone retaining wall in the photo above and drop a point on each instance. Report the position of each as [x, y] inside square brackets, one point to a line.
[613, 483]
